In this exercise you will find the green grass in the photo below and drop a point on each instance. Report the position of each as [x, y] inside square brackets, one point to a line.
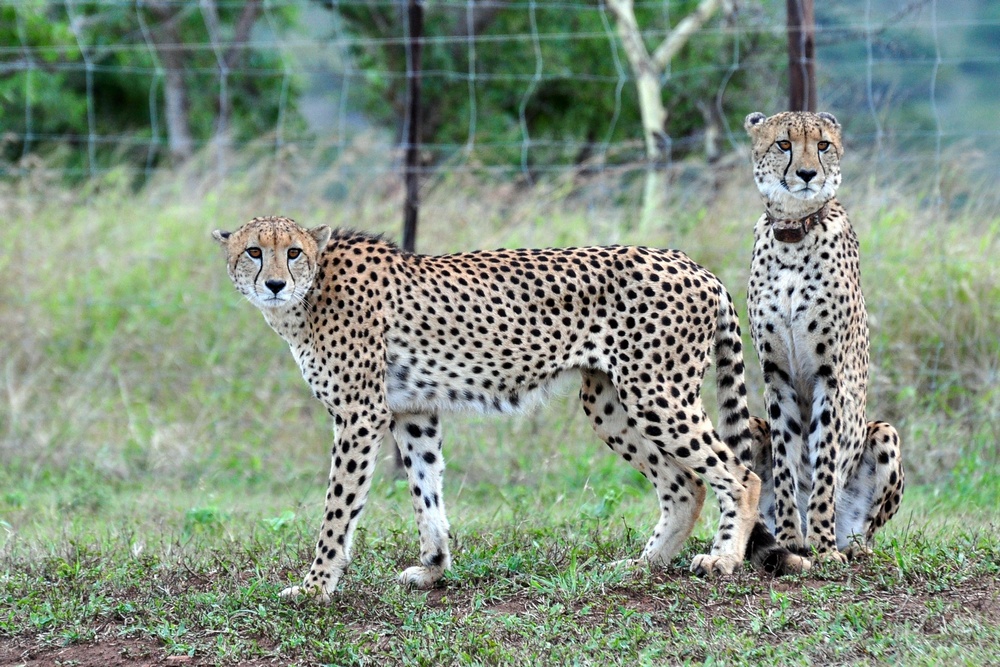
[197, 571]
[163, 463]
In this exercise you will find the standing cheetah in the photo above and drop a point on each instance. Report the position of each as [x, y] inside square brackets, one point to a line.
[833, 473]
[387, 340]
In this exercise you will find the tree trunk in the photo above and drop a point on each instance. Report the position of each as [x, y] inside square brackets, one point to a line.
[414, 44]
[654, 123]
[801, 55]
[651, 109]
[166, 40]
[179, 140]
[647, 75]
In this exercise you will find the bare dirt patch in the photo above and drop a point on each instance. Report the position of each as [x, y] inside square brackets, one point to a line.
[108, 651]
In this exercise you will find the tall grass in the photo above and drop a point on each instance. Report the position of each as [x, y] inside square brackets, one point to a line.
[126, 352]
[162, 463]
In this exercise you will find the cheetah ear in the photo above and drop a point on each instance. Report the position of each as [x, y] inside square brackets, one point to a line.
[830, 118]
[752, 120]
[322, 235]
[220, 236]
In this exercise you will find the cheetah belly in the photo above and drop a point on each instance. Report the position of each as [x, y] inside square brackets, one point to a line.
[412, 389]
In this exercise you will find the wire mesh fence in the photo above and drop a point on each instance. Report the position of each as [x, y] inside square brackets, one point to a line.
[516, 92]
[512, 88]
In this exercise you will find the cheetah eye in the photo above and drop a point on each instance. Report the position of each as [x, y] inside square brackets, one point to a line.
[254, 252]
[823, 145]
[785, 145]
[294, 253]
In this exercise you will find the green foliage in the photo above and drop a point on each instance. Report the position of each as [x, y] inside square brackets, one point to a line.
[280, 523]
[568, 91]
[201, 520]
[81, 73]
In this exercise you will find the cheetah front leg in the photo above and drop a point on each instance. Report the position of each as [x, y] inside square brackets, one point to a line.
[418, 437]
[781, 401]
[869, 496]
[359, 434]
[825, 429]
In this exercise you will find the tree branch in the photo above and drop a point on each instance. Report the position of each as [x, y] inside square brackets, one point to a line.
[684, 30]
[631, 36]
[482, 17]
[244, 25]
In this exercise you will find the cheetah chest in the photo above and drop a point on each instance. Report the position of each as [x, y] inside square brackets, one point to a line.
[786, 314]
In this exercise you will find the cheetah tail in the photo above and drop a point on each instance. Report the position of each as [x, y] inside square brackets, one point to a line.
[734, 416]
[765, 554]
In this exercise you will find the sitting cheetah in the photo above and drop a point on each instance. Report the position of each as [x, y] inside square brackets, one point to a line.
[387, 340]
[838, 476]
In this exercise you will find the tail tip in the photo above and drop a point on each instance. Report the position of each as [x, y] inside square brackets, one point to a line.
[766, 554]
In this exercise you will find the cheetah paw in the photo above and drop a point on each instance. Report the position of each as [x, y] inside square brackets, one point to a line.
[856, 551]
[795, 564]
[705, 565]
[315, 592]
[831, 556]
[420, 577]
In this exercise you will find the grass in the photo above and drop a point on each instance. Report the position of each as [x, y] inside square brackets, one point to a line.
[163, 462]
[196, 573]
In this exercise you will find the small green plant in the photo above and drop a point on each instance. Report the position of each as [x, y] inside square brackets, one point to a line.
[280, 523]
[204, 520]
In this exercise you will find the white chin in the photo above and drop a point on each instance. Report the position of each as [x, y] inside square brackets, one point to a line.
[804, 194]
[270, 303]
[778, 192]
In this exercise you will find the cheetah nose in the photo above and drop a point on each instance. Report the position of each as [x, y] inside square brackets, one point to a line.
[275, 285]
[806, 174]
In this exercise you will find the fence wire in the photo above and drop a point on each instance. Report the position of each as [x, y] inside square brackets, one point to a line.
[897, 73]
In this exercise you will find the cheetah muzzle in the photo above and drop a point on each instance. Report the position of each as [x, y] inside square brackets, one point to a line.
[387, 340]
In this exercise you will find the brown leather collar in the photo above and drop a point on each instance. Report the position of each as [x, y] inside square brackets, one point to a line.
[793, 231]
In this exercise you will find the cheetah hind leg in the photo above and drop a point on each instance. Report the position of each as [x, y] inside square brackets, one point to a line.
[762, 466]
[680, 492]
[739, 524]
[418, 437]
[871, 497]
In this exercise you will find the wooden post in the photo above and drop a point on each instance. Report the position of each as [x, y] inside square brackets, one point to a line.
[801, 55]
[415, 21]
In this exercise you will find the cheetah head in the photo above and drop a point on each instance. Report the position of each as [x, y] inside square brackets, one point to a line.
[796, 157]
[273, 261]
